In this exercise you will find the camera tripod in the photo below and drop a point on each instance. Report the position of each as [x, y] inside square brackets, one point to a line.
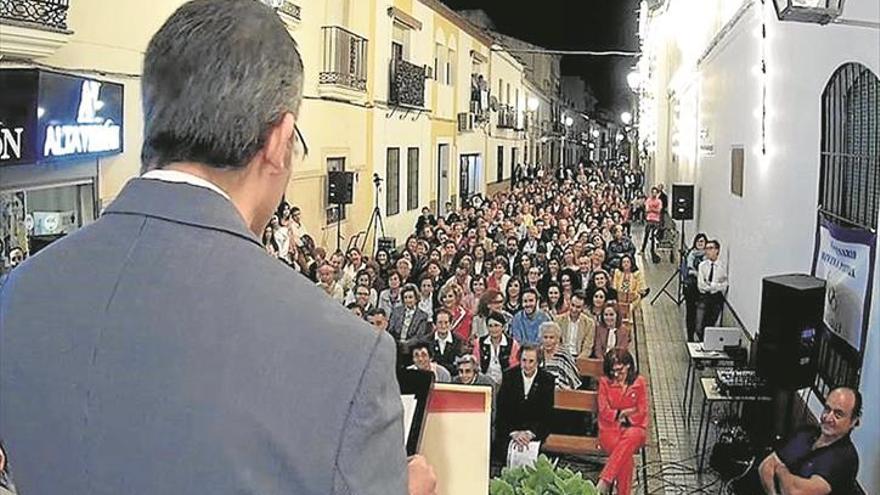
[375, 226]
[678, 273]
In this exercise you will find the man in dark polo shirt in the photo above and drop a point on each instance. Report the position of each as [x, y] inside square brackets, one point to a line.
[818, 461]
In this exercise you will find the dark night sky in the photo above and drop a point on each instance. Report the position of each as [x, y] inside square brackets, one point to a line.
[574, 25]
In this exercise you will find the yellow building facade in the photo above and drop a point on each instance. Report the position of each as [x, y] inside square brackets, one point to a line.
[391, 90]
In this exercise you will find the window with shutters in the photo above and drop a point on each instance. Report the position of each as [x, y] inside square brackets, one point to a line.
[412, 178]
[392, 182]
[499, 174]
[334, 212]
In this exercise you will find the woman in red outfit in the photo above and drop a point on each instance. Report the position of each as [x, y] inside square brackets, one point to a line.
[623, 419]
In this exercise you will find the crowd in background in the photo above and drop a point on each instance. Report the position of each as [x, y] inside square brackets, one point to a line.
[548, 262]
[529, 279]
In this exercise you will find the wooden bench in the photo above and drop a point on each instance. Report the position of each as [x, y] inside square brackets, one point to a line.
[584, 401]
[581, 401]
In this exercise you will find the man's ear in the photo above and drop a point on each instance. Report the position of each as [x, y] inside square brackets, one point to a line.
[278, 144]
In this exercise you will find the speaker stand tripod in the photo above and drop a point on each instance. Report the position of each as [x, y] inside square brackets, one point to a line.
[375, 226]
[677, 273]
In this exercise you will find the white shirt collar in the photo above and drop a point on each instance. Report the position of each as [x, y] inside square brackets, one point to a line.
[503, 342]
[177, 176]
[447, 340]
[527, 382]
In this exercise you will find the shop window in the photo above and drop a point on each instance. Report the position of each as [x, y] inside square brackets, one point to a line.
[32, 219]
[392, 182]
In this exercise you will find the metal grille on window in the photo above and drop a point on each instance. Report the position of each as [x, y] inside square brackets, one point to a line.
[850, 170]
[849, 188]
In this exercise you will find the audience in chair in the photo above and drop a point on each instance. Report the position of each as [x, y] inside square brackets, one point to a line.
[422, 359]
[623, 419]
[557, 361]
[446, 346]
[409, 324]
[525, 403]
[577, 327]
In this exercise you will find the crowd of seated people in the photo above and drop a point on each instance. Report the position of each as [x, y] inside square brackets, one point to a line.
[511, 292]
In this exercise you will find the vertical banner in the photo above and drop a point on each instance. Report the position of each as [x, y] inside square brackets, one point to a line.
[845, 259]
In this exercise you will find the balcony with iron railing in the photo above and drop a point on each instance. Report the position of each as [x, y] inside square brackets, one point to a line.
[32, 29]
[344, 61]
[43, 14]
[506, 117]
[407, 84]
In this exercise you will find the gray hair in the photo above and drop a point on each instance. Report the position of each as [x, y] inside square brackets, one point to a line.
[217, 76]
[550, 326]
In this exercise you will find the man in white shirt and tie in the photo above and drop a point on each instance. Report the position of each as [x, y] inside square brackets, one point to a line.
[712, 284]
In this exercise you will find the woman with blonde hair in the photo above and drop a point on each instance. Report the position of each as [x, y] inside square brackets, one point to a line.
[557, 361]
[451, 296]
[629, 284]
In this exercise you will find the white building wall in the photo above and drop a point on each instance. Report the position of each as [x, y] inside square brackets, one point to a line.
[771, 228]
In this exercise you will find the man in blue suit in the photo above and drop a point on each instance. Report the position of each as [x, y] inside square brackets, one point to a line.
[176, 356]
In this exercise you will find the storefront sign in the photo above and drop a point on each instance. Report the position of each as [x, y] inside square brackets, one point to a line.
[47, 116]
[845, 259]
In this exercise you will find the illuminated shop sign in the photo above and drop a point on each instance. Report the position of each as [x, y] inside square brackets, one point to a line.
[47, 117]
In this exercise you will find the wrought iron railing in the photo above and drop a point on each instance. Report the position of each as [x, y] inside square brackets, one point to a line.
[506, 117]
[345, 59]
[407, 83]
[291, 9]
[285, 7]
[47, 13]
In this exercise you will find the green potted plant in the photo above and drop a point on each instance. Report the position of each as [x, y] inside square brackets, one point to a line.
[544, 478]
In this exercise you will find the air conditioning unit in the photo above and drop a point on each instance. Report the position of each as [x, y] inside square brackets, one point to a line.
[466, 122]
[429, 72]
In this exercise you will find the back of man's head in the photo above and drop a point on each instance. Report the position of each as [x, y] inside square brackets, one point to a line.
[218, 75]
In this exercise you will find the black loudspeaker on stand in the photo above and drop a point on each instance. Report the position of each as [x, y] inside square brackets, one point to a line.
[340, 191]
[682, 210]
[340, 187]
[792, 310]
[683, 201]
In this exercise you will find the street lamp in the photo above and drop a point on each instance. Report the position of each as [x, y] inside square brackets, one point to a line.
[595, 133]
[569, 121]
[633, 79]
[533, 104]
[817, 11]
[626, 118]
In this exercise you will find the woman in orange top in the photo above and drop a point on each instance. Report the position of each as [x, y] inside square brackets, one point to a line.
[623, 419]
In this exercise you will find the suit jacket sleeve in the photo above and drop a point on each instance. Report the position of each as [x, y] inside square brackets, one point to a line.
[503, 404]
[374, 426]
[587, 328]
[422, 332]
[541, 427]
[395, 324]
